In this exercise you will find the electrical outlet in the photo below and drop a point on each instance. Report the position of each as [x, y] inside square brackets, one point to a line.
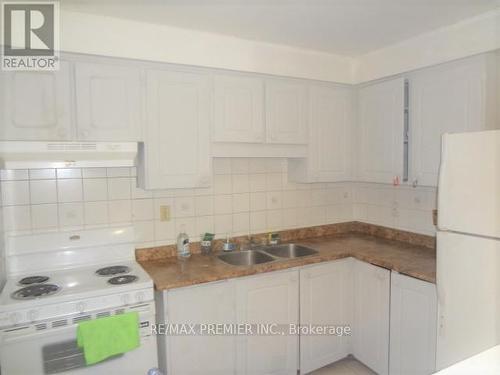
[164, 213]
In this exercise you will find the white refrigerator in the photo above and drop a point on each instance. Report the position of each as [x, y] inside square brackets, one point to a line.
[468, 246]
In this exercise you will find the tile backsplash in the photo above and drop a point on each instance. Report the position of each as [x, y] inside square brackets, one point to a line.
[248, 195]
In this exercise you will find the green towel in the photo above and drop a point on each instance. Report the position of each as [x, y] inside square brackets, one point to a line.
[105, 337]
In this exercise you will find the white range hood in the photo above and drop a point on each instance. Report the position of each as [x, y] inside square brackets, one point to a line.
[34, 155]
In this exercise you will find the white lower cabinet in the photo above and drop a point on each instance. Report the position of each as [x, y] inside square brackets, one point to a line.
[371, 316]
[203, 354]
[325, 299]
[413, 326]
[392, 319]
[268, 299]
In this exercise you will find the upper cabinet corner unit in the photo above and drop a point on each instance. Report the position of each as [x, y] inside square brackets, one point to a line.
[89, 101]
[381, 131]
[331, 126]
[453, 97]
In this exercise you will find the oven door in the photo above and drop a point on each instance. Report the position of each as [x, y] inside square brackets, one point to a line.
[27, 350]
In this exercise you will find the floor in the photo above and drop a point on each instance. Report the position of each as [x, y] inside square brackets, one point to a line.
[346, 366]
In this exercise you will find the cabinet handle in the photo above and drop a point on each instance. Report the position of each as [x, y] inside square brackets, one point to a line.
[204, 180]
[415, 183]
[84, 133]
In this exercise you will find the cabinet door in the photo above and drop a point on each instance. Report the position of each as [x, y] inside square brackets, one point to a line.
[371, 316]
[325, 299]
[286, 112]
[330, 129]
[446, 99]
[238, 109]
[176, 139]
[381, 131]
[108, 102]
[413, 326]
[200, 354]
[268, 299]
[36, 105]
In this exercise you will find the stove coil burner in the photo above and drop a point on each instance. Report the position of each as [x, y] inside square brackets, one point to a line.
[125, 279]
[33, 280]
[35, 291]
[112, 271]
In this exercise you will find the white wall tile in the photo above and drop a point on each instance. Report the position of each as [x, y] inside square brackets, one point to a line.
[258, 221]
[273, 199]
[239, 165]
[222, 165]
[257, 165]
[241, 202]
[14, 174]
[205, 224]
[95, 189]
[42, 174]
[119, 188]
[240, 183]
[94, 172]
[15, 193]
[17, 218]
[258, 201]
[274, 219]
[223, 224]
[273, 181]
[184, 207]
[223, 184]
[69, 190]
[69, 173]
[188, 224]
[164, 230]
[120, 211]
[96, 213]
[223, 204]
[142, 209]
[204, 205]
[43, 191]
[70, 214]
[241, 224]
[144, 231]
[257, 182]
[44, 216]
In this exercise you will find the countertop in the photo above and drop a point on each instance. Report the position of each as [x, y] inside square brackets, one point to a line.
[411, 260]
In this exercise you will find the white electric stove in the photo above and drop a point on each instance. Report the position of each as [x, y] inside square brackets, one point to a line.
[55, 281]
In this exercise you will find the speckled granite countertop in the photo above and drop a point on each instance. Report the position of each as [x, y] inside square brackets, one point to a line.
[412, 260]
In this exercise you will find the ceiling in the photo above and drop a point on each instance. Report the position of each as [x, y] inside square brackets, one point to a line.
[344, 27]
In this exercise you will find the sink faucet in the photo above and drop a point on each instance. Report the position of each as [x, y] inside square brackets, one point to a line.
[252, 242]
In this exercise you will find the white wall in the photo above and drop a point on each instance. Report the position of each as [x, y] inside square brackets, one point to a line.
[2, 245]
[466, 38]
[107, 36]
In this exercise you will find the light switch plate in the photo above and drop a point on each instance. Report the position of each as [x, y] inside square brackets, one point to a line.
[164, 213]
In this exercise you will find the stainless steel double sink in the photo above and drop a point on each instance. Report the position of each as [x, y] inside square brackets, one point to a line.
[265, 254]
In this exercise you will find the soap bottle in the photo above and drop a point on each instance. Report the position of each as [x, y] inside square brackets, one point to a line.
[183, 251]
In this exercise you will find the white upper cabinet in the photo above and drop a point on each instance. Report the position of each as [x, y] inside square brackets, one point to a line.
[268, 299]
[381, 131]
[36, 105]
[325, 300]
[371, 316]
[108, 102]
[330, 137]
[449, 98]
[286, 111]
[413, 326]
[238, 109]
[176, 150]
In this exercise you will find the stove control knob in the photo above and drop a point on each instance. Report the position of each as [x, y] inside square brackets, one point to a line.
[80, 307]
[15, 317]
[125, 299]
[139, 296]
[32, 315]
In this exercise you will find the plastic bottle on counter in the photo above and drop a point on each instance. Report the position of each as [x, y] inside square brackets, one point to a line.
[183, 251]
